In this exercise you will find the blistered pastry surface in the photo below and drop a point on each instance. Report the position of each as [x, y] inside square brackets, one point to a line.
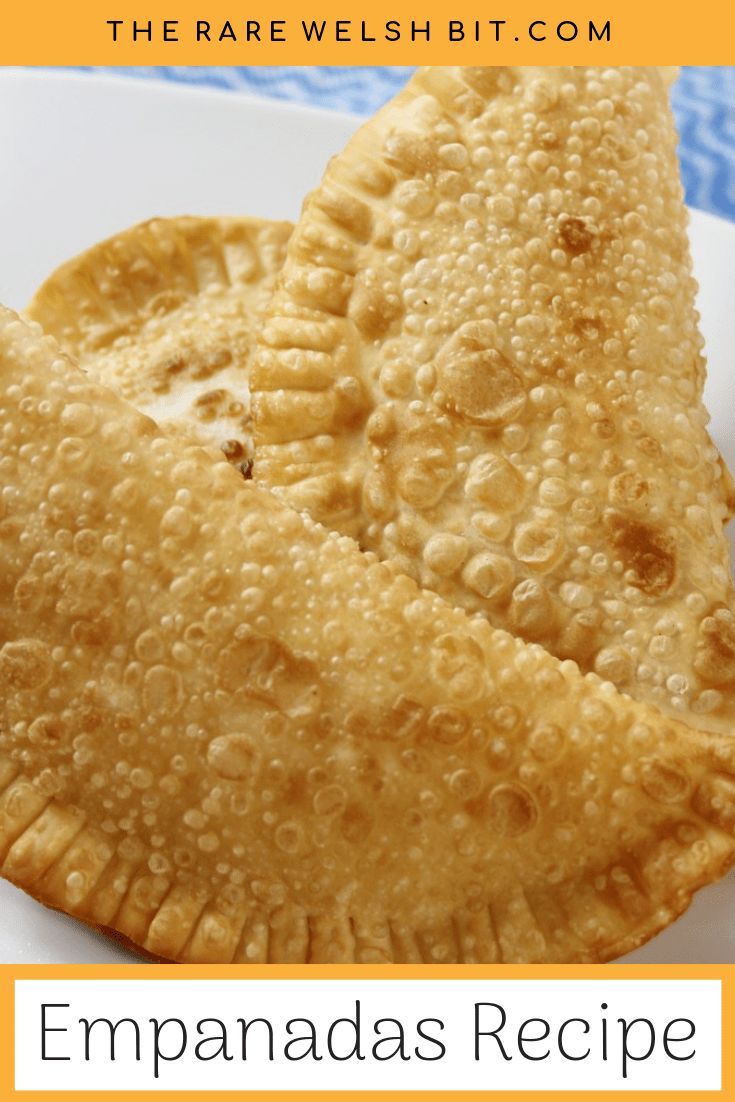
[229, 735]
[483, 361]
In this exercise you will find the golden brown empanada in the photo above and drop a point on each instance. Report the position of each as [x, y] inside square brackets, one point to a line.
[165, 314]
[483, 362]
[231, 736]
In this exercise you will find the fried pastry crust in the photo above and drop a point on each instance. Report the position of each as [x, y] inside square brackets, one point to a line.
[231, 736]
[165, 314]
[483, 362]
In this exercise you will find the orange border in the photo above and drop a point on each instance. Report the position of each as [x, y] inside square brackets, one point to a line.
[275, 972]
[74, 33]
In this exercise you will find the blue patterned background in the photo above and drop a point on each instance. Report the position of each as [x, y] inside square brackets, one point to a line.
[704, 103]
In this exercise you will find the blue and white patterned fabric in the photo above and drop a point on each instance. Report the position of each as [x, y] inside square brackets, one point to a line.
[704, 104]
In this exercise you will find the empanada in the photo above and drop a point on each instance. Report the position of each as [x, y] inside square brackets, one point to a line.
[483, 362]
[165, 313]
[231, 736]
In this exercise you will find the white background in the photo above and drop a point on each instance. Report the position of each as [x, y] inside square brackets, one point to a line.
[323, 1001]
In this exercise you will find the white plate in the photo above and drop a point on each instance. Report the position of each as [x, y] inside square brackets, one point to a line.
[86, 156]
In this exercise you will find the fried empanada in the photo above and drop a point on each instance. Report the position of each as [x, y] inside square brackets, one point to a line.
[483, 362]
[231, 736]
[165, 313]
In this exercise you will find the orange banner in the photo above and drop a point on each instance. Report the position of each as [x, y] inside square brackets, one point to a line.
[396, 32]
[10, 974]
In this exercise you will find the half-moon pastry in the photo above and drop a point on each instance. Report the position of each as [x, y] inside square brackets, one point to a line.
[230, 735]
[483, 361]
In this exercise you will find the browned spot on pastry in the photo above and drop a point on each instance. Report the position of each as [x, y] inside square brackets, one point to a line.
[233, 450]
[575, 236]
[649, 553]
[588, 326]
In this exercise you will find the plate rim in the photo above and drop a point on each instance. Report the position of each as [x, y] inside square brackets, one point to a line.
[152, 84]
